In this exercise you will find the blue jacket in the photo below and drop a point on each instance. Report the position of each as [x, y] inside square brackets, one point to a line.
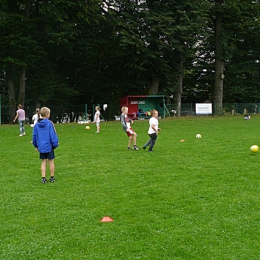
[45, 138]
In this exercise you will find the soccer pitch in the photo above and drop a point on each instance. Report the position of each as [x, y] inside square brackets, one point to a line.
[197, 199]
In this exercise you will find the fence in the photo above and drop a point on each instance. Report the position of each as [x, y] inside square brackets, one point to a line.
[62, 114]
[188, 109]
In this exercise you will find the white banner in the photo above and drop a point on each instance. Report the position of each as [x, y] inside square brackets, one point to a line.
[204, 108]
[137, 102]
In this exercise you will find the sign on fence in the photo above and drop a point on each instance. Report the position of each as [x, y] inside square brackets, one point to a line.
[204, 108]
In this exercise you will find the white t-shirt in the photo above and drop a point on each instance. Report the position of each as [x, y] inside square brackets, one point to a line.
[153, 121]
[35, 119]
[97, 116]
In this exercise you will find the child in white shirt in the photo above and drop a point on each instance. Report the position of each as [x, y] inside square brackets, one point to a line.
[152, 131]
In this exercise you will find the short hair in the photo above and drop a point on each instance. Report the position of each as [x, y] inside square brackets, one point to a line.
[154, 111]
[98, 107]
[20, 106]
[45, 111]
[123, 109]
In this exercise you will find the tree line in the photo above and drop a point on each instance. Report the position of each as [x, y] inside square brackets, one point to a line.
[77, 52]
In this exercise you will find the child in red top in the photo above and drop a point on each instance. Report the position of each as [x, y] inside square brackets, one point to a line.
[126, 123]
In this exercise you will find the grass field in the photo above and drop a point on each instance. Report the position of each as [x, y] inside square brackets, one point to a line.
[198, 199]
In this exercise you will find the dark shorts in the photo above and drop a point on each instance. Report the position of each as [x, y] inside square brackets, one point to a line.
[153, 136]
[49, 155]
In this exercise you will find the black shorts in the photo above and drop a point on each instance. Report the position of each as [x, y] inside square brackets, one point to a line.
[48, 156]
[153, 136]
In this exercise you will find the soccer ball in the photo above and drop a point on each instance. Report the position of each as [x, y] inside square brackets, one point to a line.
[198, 136]
[254, 148]
[87, 127]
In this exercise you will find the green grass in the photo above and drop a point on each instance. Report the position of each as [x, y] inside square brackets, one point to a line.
[193, 200]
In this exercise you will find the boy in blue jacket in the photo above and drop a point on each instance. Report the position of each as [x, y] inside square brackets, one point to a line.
[45, 140]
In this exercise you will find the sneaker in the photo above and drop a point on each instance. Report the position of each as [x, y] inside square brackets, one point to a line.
[44, 180]
[96, 132]
[129, 148]
[136, 148]
[144, 147]
[52, 179]
[20, 135]
[24, 133]
[150, 151]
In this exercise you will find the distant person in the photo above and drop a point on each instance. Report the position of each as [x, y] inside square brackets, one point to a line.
[126, 123]
[97, 118]
[45, 139]
[36, 116]
[20, 114]
[153, 130]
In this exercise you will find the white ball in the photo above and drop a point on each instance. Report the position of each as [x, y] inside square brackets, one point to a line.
[198, 136]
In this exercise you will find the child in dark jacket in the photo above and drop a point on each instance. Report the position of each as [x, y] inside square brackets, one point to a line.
[45, 140]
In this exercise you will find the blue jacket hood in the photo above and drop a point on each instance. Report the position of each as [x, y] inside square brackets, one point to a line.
[45, 138]
[43, 122]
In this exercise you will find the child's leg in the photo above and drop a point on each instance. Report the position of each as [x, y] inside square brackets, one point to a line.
[98, 127]
[52, 167]
[130, 140]
[21, 127]
[147, 143]
[152, 145]
[153, 140]
[23, 130]
[134, 137]
[43, 168]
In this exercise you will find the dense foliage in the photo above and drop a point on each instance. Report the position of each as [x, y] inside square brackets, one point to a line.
[76, 52]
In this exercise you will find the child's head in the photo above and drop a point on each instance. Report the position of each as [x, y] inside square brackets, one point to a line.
[154, 113]
[124, 110]
[37, 110]
[20, 106]
[97, 108]
[45, 112]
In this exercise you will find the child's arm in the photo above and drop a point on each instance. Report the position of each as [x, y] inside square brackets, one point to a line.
[16, 116]
[53, 137]
[123, 122]
[154, 128]
[34, 142]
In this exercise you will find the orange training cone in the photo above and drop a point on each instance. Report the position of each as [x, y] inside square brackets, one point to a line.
[106, 219]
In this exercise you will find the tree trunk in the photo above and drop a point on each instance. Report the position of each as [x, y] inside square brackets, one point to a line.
[21, 96]
[11, 95]
[178, 91]
[153, 86]
[219, 65]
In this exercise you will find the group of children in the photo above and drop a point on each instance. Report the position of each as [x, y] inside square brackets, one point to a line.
[45, 138]
[152, 131]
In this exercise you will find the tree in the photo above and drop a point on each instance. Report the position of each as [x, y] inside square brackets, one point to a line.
[19, 48]
[235, 22]
[219, 61]
[156, 37]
